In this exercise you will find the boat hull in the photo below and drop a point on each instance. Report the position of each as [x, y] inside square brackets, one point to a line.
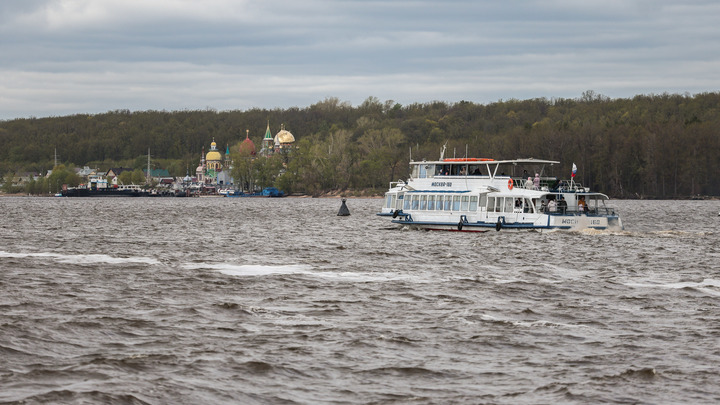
[84, 192]
[545, 222]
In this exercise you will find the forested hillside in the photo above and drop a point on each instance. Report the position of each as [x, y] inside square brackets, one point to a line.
[650, 146]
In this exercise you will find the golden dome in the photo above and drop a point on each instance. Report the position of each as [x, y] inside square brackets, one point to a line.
[284, 136]
[213, 155]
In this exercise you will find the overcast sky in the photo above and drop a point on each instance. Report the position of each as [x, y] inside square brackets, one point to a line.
[61, 57]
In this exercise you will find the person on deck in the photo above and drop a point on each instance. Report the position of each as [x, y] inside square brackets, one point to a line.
[536, 182]
[582, 205]
[562, 205]
[551, 205]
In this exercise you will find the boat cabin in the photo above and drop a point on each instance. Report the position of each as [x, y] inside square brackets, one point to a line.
[522, 171]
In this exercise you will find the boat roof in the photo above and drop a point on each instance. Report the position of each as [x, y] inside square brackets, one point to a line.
[487, 161]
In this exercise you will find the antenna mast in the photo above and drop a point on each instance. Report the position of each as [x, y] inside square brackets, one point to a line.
[442, 151]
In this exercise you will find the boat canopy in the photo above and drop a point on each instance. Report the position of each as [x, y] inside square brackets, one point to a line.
[486, 161]
[477, 167]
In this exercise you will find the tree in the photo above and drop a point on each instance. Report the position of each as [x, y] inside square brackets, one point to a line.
[125, 177]
[62, 176]
[385, 150]
[242, 171]
[138, 177]
[266, 170]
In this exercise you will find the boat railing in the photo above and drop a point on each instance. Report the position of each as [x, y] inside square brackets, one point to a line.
[545, 184]
[568, 186]
[592, 211]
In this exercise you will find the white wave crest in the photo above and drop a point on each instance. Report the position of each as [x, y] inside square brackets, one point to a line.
[708, 286]
[303, 269]
[251, 269]
[81, 258]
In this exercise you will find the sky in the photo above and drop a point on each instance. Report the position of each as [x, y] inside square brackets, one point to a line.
[65, 57]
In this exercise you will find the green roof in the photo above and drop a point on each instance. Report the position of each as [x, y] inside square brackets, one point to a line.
[157, 172]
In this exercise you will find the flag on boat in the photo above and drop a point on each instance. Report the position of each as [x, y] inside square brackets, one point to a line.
[574, 170]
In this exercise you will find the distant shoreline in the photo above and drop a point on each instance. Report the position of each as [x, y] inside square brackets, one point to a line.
[220, 196]
[351, 195]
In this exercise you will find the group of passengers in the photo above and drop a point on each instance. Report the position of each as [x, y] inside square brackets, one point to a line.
[458, 170]
[561, 205]
[554, 206]
[526, 208]
[530, 183]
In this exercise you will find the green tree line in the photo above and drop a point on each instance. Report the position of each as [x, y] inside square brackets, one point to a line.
[648, 146]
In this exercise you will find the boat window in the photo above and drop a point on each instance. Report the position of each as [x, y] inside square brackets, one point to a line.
[439, 204]
[473, 203]
[423, 202]
[529, 206]
[456, 203]
[415, 202]
[448, 202]
[415, 171]
[491, 204]
[423, 171]
[509, 204]
[408, 198]
[431, 203]
[464, 205]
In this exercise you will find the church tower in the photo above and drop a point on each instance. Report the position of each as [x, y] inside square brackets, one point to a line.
[268, 142]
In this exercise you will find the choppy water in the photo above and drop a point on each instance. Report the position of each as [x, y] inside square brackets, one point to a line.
[188, 301]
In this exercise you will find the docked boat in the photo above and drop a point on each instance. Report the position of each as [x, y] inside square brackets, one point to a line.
[266, 192]
[105, 191]
[474, 194]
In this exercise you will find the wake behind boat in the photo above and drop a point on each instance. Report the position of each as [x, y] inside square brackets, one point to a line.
[474, 194]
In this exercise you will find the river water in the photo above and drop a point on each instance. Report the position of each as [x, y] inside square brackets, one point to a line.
[264, 301]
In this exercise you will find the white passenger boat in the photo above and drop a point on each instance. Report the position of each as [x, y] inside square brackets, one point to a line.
[477, 195]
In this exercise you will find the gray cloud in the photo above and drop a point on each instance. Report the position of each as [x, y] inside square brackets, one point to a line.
[65, 57]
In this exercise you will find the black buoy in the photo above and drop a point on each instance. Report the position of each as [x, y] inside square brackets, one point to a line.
[344, 211]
